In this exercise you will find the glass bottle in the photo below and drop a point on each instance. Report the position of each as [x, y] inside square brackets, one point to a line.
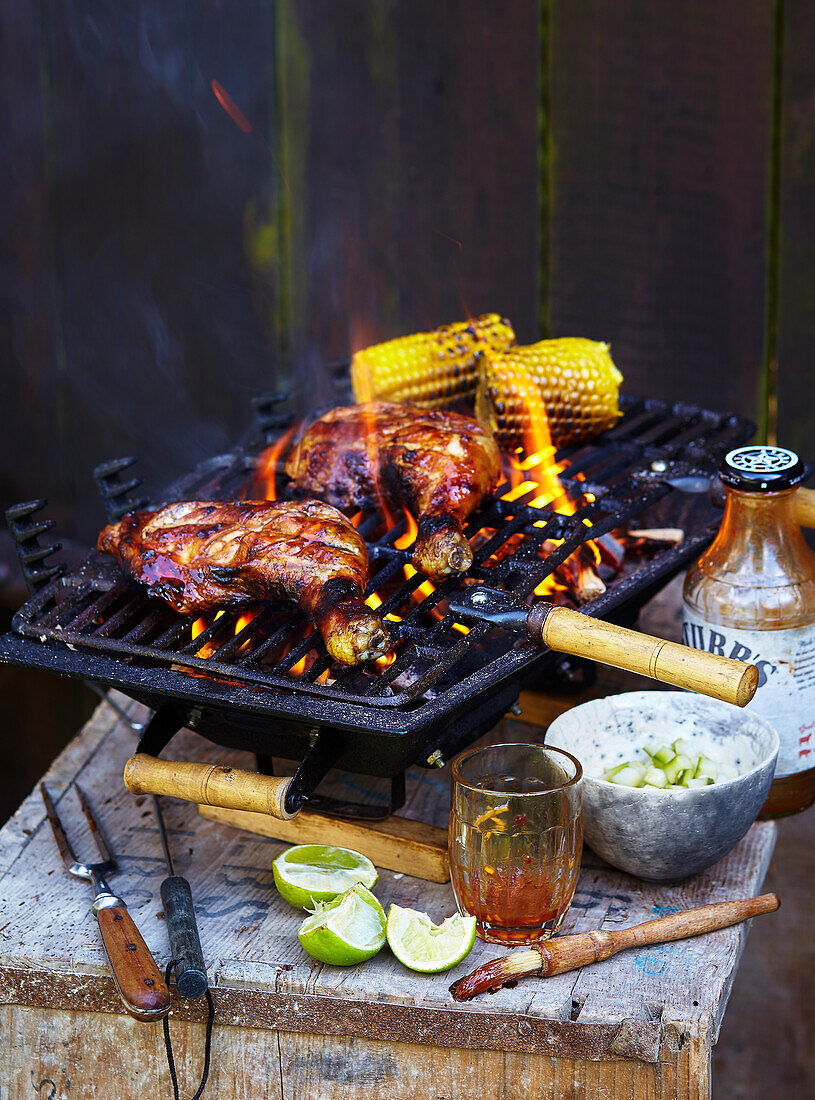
[751, 596]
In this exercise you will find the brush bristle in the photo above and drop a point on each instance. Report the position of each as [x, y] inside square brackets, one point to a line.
[497, 972]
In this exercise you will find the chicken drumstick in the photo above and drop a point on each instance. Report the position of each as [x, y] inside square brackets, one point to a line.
[208, 555]
[439, 465]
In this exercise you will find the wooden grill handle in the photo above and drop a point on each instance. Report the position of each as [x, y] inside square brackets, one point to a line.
[208, 784]
[805, 507]
[568, 631]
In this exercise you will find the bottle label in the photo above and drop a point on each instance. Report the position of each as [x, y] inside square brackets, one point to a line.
[785, 660]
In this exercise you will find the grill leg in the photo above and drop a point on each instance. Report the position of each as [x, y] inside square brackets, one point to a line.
[166, 722]
[265, 763]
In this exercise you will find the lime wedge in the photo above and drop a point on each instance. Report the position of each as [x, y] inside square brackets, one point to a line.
[345, 931]
[311, 873]
[427, 947]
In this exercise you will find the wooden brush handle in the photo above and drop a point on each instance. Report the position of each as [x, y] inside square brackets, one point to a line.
[140, 983]
[208, 784]
[805, 507]
[568, 631]
[556, 956]
[571, 952]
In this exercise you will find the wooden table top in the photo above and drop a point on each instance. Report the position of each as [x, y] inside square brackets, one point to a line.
[627, 1007]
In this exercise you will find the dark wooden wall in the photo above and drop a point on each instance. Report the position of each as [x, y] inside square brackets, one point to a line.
[634, 172]
[637, 172]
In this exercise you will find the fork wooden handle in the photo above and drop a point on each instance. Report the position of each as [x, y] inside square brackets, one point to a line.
[139, 981]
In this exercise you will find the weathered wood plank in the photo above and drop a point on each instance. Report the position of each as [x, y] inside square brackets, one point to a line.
[49, 946]
[796, 231]
[660, 123]
[57, 1052]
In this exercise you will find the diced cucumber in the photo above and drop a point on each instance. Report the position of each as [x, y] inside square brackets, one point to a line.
[660, 754]
[684, 747]
[609, 773]
[627, 775]
[676, 766]
[684, 777]
[655, 777]
[700, 781]
[705, 767]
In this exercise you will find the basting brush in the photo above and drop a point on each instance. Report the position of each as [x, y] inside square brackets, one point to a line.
[571, 952]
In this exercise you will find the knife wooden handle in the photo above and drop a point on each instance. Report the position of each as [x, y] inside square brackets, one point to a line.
[805, 507]
[568, 631]
[140, 983]
[208, 784]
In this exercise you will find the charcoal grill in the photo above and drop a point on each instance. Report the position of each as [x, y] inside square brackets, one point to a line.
[269, 686]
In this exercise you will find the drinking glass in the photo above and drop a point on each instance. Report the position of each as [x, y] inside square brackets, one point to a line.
[516, 834]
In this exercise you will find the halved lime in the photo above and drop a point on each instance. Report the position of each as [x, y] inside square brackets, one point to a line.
[427, 947]
[311, 873]
[345, 931]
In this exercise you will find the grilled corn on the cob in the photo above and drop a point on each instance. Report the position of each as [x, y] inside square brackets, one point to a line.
[574, 379]
[433, 369]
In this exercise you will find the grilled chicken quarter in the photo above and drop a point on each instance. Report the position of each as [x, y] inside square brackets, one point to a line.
[209, 555]
[439, 465]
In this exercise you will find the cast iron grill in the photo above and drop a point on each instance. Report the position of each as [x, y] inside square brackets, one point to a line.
[269, 685]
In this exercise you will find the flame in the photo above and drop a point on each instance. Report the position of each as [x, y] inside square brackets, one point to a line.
[411, 531]
[425, 589]
[243, 621]
[533, 466]
[372, 452]
[266, 477]
[299, 668]
[374, 602]
[197, 628]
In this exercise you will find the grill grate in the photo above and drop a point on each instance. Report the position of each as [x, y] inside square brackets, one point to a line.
[610, 481]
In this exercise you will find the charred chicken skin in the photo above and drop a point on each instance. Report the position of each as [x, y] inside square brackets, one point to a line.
[439, 465]
[209, 555]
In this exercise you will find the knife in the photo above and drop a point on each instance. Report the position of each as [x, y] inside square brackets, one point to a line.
[185, 942]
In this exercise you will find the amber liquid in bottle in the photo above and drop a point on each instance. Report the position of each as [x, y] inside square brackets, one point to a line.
[759, 576]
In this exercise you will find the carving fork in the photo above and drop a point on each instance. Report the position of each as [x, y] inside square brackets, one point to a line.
[139, 981]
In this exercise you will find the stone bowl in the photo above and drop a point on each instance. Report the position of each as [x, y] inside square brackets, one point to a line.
[665, 835]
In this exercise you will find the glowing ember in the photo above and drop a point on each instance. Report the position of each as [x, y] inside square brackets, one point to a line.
[231, 107]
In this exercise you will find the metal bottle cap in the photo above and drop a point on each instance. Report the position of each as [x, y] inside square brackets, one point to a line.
[758, 468]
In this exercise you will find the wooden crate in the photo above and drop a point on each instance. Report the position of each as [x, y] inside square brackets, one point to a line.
[640, 1025]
